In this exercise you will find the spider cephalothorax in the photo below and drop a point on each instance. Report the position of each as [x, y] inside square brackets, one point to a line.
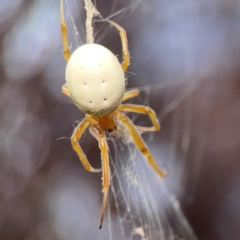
[96, 84]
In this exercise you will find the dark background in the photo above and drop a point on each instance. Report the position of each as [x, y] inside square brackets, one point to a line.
[186, 52]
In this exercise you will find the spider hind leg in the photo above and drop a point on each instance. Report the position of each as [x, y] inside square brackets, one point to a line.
[125, 51]
[66, 50]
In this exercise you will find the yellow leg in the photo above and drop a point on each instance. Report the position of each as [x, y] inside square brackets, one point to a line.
[125, 52]
[130, 94]
[66, 51]
[78, 131]
[143, 110]
[65, 90]
[100, 136]
[140, 143]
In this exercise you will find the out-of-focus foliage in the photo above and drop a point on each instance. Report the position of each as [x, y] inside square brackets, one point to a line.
[192, 48]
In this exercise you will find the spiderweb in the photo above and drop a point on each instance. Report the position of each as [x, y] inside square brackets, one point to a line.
[140, 205]
[145, 208]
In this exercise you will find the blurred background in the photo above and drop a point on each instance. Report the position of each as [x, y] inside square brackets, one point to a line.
[185, 56]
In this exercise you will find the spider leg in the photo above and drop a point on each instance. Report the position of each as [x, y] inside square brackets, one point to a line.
[66, 51]
[143, 110]
[78, 131]
[140, 143]
[100, 136]
[125, 52]
[65, 90]
[130, 94]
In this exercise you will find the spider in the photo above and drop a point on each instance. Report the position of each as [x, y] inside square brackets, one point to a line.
[95, 82]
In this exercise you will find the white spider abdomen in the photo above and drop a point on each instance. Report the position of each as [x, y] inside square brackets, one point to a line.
[95, 79]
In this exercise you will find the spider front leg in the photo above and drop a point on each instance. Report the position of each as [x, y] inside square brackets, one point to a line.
[100, 136]
[143, 110]
[140, 143]
[78, 132]
[66, 51]
[125, 52]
